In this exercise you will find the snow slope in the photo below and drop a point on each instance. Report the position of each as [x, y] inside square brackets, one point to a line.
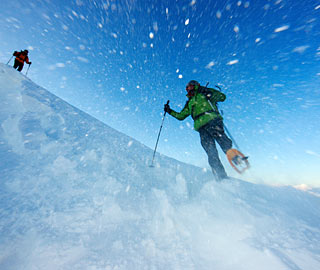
[77, 194]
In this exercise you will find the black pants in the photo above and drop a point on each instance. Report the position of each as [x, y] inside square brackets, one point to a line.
[210, 134]
[18, 64]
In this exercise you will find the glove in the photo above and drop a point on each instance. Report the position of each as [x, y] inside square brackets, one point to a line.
[14, 53]
[30, 63]
[167, 108]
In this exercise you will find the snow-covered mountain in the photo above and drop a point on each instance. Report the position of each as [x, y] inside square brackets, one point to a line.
[77, 194]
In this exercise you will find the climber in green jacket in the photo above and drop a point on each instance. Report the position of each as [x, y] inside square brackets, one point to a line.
[207, 121]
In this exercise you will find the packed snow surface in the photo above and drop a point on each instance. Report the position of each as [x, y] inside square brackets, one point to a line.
[77, 194]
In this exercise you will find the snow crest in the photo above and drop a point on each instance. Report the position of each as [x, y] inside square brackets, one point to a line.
[77, 194]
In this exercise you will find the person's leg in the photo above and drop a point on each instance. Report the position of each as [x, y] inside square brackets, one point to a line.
[16, 64]
[20, 67]
[220, 136]
[209, 145]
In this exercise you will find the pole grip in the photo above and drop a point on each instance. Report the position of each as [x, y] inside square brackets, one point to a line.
[165, 112]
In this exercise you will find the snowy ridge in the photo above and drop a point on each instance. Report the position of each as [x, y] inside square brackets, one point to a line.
[77, 194]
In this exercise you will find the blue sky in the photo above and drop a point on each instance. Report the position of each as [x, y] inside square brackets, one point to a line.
[120, 61]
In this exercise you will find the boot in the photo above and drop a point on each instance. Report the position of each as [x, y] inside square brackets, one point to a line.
[219, 176]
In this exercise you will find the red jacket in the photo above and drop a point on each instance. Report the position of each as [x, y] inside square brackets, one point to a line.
[21, 57]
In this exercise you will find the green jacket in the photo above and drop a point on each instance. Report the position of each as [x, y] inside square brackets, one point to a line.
[199, 108]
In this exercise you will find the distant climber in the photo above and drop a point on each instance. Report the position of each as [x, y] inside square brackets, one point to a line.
[21, 57]
[201, 105]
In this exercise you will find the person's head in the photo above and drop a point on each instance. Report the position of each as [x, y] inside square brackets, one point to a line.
[25, 51]
[191, 87]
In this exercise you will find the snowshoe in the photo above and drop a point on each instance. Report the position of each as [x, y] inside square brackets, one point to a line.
[237, 160]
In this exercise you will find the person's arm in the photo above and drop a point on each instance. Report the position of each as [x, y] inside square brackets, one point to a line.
[27, 60]
[15, 53]
[180, 115]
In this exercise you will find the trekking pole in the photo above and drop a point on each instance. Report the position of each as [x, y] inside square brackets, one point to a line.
[155, 149]
[9, 59]
[28, 69]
